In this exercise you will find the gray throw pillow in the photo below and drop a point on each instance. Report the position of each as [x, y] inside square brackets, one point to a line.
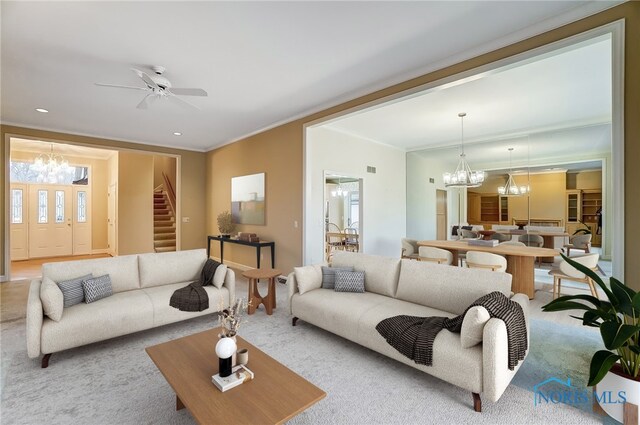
[329, 276]
[72, 291]
[97, 288]
[349, 281]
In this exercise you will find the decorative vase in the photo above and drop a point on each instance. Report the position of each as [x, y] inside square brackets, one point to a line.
[616, 388]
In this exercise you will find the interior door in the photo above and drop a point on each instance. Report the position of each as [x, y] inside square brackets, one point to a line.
[81, 217]
[441, 214]
[18, 238]
[50, 231]
[112, 204]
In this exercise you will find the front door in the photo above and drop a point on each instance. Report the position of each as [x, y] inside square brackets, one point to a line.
[81, 221]
[18, 238]
[50, 220]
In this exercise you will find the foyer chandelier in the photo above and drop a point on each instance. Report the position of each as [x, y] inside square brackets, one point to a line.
[51, 167]
[463, 176]
[511, 188]
[339, 190]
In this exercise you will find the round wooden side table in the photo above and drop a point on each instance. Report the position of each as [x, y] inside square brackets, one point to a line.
[254, 297]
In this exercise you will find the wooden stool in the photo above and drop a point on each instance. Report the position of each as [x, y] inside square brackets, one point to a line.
[254, 297]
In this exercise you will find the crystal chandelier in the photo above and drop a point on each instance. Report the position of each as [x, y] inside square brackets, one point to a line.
[339, 191]
[511, 188]
[51, 168]
[463, 176]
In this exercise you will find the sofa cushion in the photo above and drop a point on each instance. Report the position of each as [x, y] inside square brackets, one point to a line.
[308, 278]
[349, 281]
[162, 268]
[452, 363]
[97, 288]
[52, 299]
[72, 291]
[163, 313]
[381, 273]
[447, 288]
[121, 314]
[123, 270]
[329, 276]
[337, 312]
[473, 326]
[219, 275]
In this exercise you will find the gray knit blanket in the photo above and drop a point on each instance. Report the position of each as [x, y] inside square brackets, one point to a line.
[193, 297]
[413, 336]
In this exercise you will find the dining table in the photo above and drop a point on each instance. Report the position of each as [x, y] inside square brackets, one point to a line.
[520, 260]
[548, 237]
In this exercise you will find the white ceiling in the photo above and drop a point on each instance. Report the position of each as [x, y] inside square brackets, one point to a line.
[570, 88]
[262, 63]
[36, 146]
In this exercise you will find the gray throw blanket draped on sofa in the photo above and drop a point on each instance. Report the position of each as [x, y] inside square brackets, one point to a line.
[193, 297]
[413, 336]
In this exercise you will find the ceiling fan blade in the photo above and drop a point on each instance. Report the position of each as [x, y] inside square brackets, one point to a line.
[183, 102]
[144, 104]
[145, 77]
[121, 87]
[188, 92]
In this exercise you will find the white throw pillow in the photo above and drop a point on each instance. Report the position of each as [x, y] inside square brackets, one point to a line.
[308, 278]
[219, 275]
[473, 326]
[52, 299]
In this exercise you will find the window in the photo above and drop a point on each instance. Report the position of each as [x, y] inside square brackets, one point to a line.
[42, 206]
[16, 206]
[59, 206]
[27, 172]
[82, 206]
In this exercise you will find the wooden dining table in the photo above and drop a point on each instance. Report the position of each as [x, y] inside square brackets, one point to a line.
[548, 237]
[520, 260]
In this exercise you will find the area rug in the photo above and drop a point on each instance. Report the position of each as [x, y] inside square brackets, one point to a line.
[115, 382]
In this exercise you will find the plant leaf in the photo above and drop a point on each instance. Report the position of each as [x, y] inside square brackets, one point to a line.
[601, 363]
[559, 305]
[593, 275]
[634, 348]
[625, 297]
[615, 334]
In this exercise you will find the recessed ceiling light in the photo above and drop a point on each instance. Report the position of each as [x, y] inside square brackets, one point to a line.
[44, 111]
[177, 133]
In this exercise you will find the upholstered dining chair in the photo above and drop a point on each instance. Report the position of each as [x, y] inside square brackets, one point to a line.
[468, 234]
[535, 241]
[514, 243]
[436, 255]
[581, 242]
[501, 237]
[409, 249]
[486, 260]
[567, 272]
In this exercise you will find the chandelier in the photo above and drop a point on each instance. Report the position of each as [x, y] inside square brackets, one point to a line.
[339, 190]
[511, 188]
[463, 176]
[51, 168]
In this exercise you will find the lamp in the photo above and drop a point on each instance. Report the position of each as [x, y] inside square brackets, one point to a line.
[51, 168]
[463, 176]
[511, 188]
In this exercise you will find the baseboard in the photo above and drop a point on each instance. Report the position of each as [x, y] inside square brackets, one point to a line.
[3, 278]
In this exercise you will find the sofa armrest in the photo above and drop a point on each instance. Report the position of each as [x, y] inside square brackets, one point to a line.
[292, 288]
[230, 284]
[495, 353]
[35, 316]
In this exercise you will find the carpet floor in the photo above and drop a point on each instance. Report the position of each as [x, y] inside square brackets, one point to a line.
[115, 382]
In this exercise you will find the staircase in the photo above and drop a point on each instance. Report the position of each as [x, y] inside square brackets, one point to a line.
[164, 222]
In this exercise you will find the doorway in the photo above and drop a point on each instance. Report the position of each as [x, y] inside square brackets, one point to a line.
[441, 214]
[342, 214]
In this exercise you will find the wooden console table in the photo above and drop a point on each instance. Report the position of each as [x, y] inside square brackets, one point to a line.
[256, 245]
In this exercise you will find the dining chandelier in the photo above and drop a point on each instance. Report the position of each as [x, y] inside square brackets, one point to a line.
[339, 191]
[511, 188]
[51, 167]
[463, 176]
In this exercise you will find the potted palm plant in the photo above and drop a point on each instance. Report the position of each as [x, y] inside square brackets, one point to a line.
[617, 368]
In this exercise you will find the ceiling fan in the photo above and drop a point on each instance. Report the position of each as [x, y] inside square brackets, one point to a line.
[159, 88]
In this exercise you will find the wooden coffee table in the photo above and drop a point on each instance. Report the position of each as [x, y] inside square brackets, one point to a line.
[275, 395]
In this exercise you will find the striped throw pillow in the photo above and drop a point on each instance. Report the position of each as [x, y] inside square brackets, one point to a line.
[72, 291]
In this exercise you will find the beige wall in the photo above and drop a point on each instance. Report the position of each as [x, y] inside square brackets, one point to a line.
[192, 173]
[164, 164]
[98, 182]
[135, 203]
[585, 180]
[277, 153]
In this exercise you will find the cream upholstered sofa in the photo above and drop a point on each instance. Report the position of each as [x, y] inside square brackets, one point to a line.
[416, 288]
[142, 286]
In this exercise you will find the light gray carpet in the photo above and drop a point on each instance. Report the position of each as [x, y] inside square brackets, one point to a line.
[115, 382]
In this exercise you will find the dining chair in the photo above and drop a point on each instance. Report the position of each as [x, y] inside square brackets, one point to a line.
[486, 260]
[333, 228]
[436, 255]
[581, 242]
[501, 237]
[409, 249]
[351, 240]
[567, 272]
[468, 234]
[535, 241]
[514, 243]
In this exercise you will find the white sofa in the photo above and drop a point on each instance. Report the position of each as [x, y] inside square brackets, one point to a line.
[142, 286]
[394, 287]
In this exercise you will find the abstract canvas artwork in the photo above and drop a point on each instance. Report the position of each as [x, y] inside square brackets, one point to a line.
[247, 199]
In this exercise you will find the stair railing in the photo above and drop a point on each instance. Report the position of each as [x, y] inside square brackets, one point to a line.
[171, 193]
